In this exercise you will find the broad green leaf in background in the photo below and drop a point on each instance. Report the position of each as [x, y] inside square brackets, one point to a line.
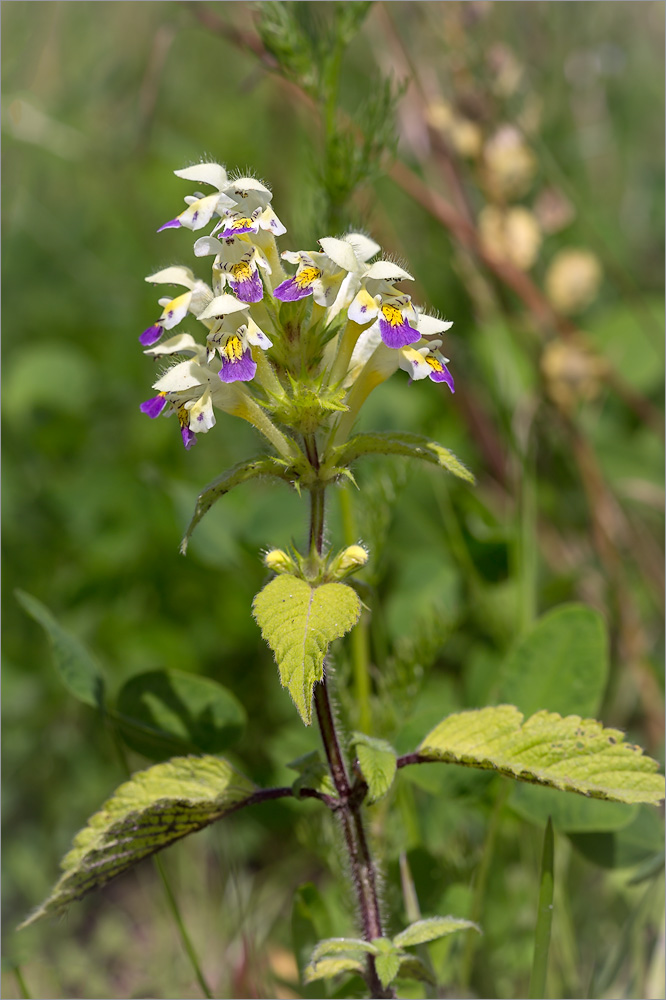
[432, 928]
[298, 622]
[621, 335]
[377, 760]
[76, 666]
[406, 444]
[572, 754]
[569, 813]
[163, 713]
[240, 473]
[312, 773]
[636, 843]
[150, 811]
[560, 664]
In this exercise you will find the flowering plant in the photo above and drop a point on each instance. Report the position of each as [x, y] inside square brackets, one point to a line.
[338, 327]
[297, 355]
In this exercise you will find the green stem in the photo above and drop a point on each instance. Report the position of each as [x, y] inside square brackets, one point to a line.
[171, 899]
[360, 647]
[182, 930]
[25, 992]
[482, 881]
[544, 919]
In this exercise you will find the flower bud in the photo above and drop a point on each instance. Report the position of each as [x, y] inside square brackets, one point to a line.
[279, 561]
[347, 561]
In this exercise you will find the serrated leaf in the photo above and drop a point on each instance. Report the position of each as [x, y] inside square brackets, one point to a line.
[76, 666]
[342, 946]
[387, 964]
[560, 664]
[572, 754]
[327, 968]
[240, 473]
[162, 713]
[299, 622]
[405, 444]
[150, 811]
[432, 928]
[377, 760]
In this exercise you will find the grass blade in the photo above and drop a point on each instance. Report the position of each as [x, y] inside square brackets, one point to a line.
[544, 919]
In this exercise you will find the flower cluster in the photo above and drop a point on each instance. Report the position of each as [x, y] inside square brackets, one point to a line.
[258, 328]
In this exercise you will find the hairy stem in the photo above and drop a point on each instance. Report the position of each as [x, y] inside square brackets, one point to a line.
[360, 860]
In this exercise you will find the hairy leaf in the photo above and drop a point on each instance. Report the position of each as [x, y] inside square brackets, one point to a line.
[240, 473]
[387, 960]
[342, 946]
[432, 928]
[377, 760]
[150, 811]
[298, 622]
[76, 666]
[572, 754]
[406, 444]
[327, 968]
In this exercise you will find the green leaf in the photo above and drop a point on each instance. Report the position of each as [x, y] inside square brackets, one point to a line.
[572, 754]
[163, 713]
[240, 473]
[411, 967]
[312, 773]
[76, 666]
[327, 968]
[387, 960]
[430, 929]
[569, 813]
[560, 664]
[636, 843]
[298, 622]
[405, 444]
[150, 811]
[342, 946]
[377, 760]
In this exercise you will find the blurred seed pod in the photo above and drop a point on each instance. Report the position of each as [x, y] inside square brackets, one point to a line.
[573, 372]
[509, 164]
[506, 70]
[464, 135]
[573, 280]
[510, 233]
[553, 210]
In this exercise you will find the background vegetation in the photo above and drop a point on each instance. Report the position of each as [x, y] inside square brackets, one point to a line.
[559, 383]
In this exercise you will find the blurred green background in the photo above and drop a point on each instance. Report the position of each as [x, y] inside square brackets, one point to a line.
[101, 102]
